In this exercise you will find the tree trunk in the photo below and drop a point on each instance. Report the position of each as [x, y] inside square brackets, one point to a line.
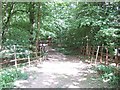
[31, 19]
[38, 32]
[5, 24]
[0, 27]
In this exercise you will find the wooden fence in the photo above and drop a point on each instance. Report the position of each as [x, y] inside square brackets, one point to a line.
[102, 54]
[94, 54]
[27, 54]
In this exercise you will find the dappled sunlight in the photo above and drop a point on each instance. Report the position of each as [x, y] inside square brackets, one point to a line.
[18, 83]
[60, 44]
[85, 74]
[60, 71]
[82, 79]
[31, 77]
[52, 49]
[50, 80]
[52, 76]
[75, 83]
[53, 59]
[55, 82]
[33, 69]
[46, 83]
[68, 68]
[64, 76]
[73, 86]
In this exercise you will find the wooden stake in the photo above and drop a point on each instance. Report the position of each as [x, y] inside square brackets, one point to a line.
[106, 62]
[97, 54]
[15, 56]
[92, 55]
[29, 58]
[101, 54]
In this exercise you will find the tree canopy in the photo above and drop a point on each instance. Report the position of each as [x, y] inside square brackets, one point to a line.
[71, 24]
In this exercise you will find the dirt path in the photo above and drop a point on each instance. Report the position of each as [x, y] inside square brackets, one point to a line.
[61, 71]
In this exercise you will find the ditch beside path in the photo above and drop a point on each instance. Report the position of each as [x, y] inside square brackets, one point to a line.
[61, 71]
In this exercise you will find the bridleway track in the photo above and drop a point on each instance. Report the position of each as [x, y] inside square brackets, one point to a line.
[61, 71]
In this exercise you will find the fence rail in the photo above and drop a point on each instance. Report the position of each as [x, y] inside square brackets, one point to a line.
[94, 54]
[27, 54]
[102, 54]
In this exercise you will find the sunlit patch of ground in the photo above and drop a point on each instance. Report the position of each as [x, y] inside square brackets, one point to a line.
[61, 71]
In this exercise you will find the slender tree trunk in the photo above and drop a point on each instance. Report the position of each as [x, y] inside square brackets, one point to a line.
[31, 19]
[0, 32]
[5, 23]
[38, 32]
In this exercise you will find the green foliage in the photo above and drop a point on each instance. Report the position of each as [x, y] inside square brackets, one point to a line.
[109, 74]
[107, 36]
[8, 53]
[72, 24]
[8, 76]
[105, 69]
[66, 51]
[63, 50]
[69, 22]
[17, 36]
[90, 19]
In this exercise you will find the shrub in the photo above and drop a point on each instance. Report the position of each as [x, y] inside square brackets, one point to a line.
[8, 76]
[109, 74]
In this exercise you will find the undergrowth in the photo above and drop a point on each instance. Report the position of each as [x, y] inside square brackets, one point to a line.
[8, 76]
[109, 74]
[66, 51]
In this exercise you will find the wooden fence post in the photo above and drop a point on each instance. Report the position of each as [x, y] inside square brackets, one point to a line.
[86, 50]
[82, 51]
[92, 55]
[89, 52]
[15, 56]
[97, 54]
[106, 62]
[29, 58]
[101, 54]
[40, 54]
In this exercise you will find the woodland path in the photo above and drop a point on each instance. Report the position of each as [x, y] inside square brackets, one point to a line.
[61, 71]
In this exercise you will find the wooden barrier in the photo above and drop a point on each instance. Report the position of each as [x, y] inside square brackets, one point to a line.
[15, 60]
[15, 56]
[95, 54]
[99, 54]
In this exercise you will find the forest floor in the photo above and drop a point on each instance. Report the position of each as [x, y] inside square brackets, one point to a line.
[61, 71]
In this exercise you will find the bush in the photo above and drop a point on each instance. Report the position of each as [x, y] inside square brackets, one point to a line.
[8, 76]
[66, 51]
[6, 54]
[109, 74]
[9, 52]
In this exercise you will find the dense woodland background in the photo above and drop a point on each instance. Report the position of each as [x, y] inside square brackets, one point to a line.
[71, 24]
